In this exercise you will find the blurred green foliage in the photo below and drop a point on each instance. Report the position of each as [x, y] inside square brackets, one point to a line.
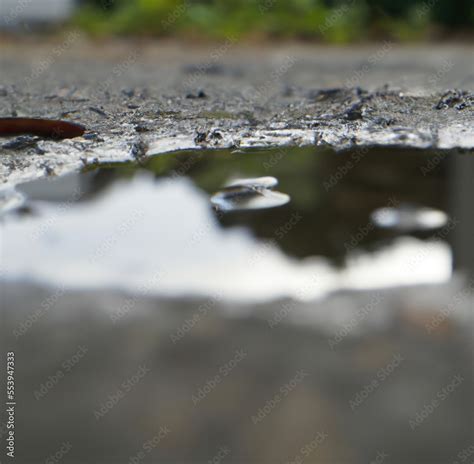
[325, 20]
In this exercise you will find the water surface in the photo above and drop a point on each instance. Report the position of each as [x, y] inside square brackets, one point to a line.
[152, 325]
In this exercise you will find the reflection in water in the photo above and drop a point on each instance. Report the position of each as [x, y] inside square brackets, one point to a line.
[136, 332]
[259, 183]
[409, 218]
[140, 227]
[249, 194]
[10, 200]
[338, 202]
[461, 194]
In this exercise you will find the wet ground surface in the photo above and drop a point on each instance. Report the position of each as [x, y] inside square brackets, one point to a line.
[143, 99]
[152, 324]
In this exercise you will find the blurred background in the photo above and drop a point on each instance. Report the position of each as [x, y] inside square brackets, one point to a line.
[329, 21]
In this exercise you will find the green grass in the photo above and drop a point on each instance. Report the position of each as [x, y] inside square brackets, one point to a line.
[329, 21]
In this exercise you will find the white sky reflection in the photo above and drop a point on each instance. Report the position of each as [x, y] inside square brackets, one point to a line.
[163, 236]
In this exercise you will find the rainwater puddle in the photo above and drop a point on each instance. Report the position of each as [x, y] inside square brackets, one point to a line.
[142, 297]
[214, 221]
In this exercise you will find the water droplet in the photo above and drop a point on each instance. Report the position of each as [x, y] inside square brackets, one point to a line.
[409, 218]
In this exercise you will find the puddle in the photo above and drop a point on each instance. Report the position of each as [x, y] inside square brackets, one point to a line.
[349, 220]
[121, 288]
